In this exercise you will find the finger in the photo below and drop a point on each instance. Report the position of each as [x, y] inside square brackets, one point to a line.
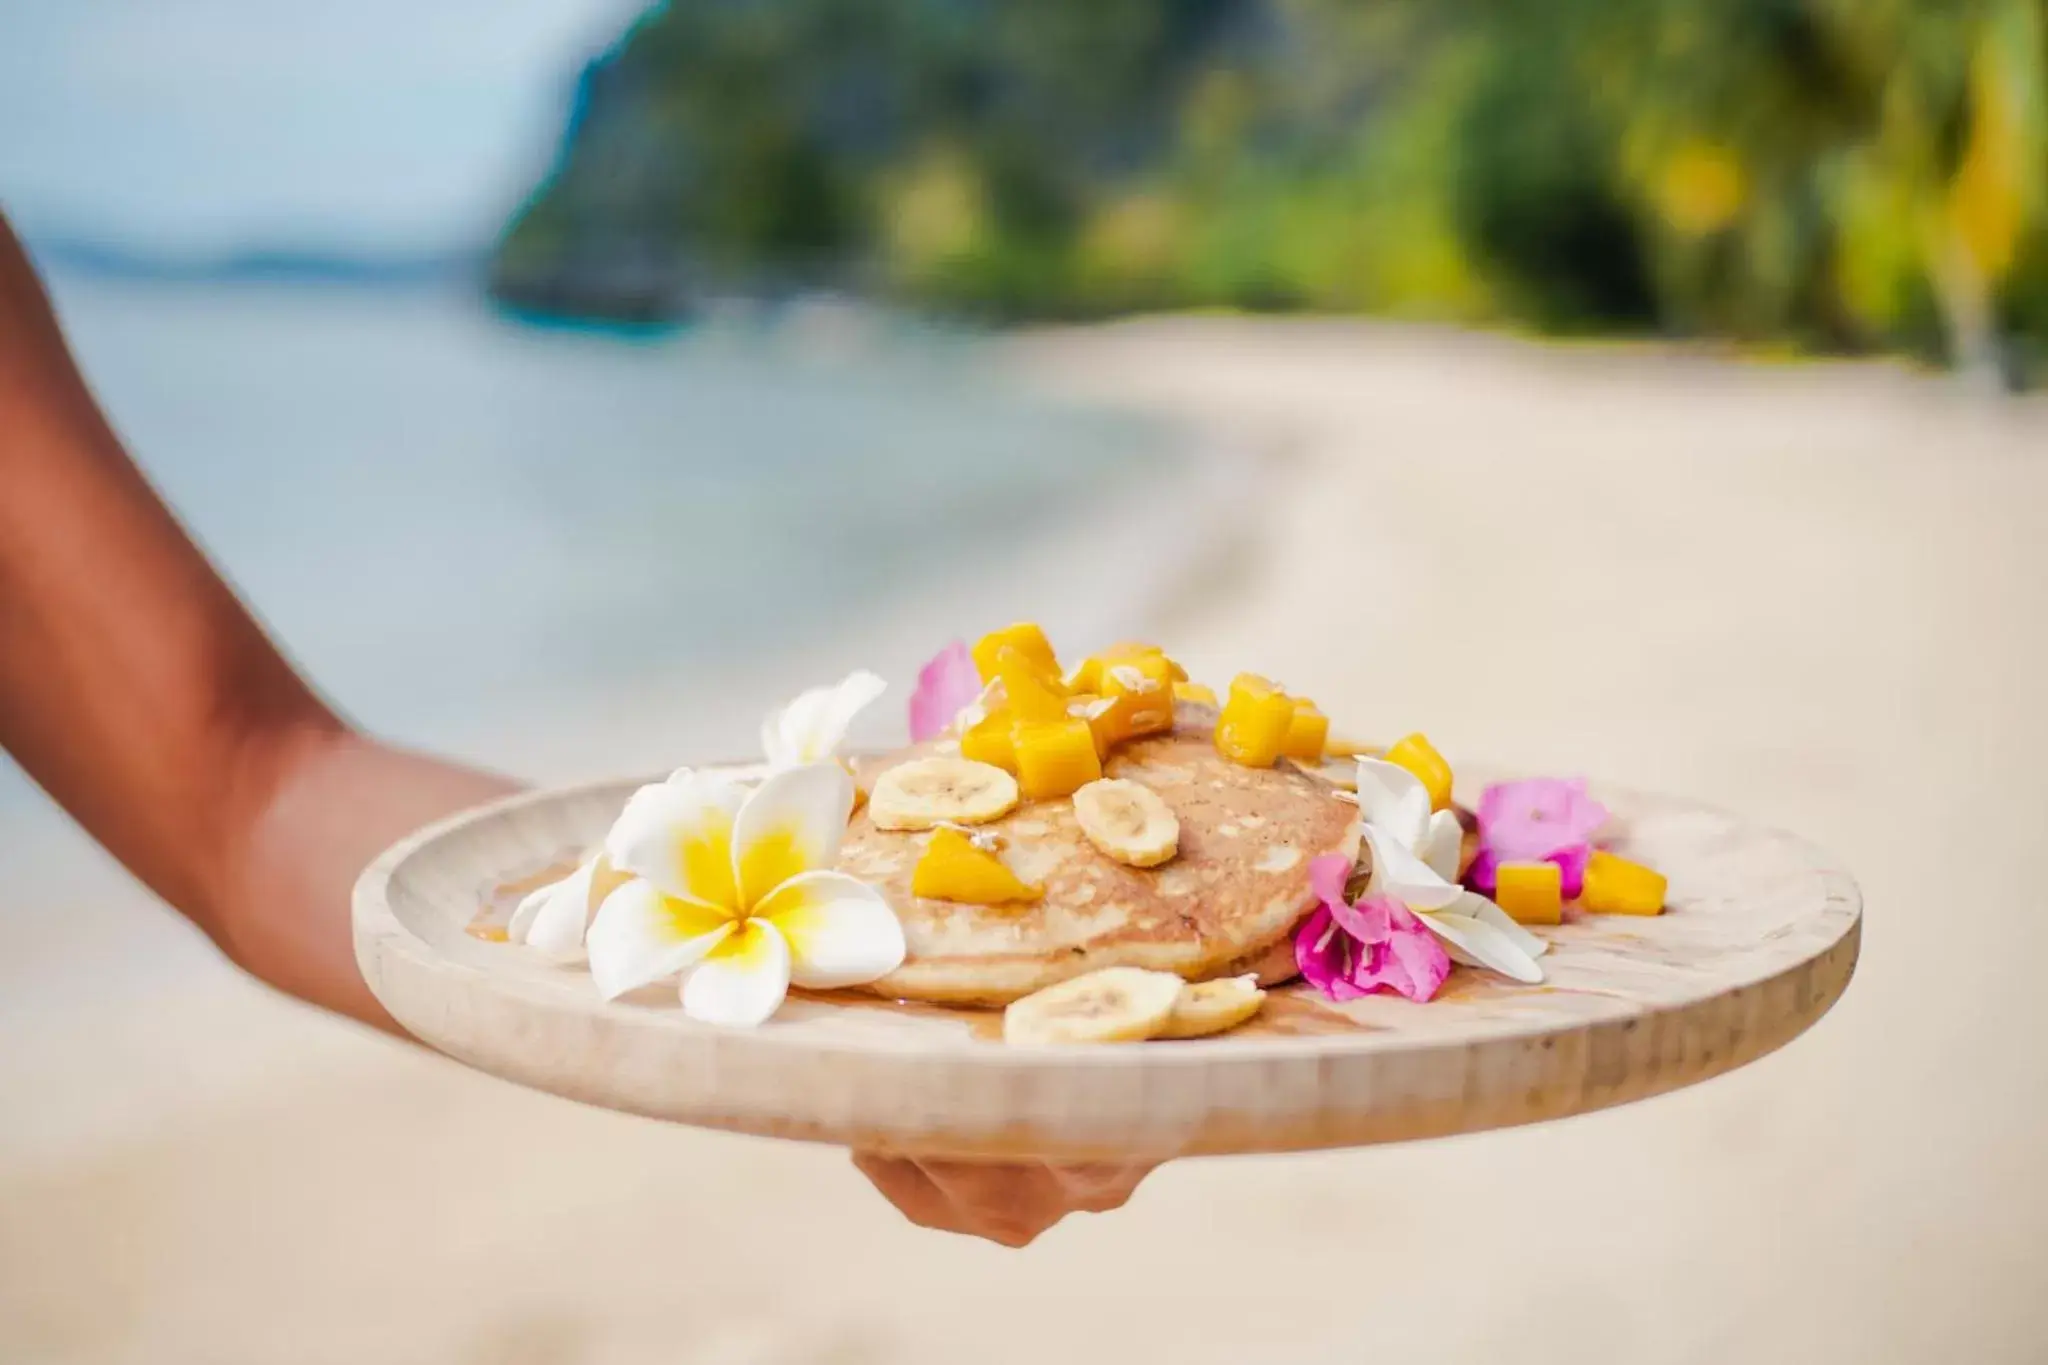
[1100, 1187]
[1007, 1203]
[907, 1187]
[961, 1198]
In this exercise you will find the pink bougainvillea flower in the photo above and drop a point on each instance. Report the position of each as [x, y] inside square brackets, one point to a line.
[945, 687]
[1541, 819]
[1346, 951]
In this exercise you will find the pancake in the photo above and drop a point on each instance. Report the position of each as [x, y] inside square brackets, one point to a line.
[1225, 904]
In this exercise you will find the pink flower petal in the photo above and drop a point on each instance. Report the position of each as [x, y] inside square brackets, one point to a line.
[1327, 875]
[1423, 960]
[1315, 951]
[1536, 820]
[1571, 861]
[1527, 820]
[1371, 921]
[945, 687]
[1347, 951]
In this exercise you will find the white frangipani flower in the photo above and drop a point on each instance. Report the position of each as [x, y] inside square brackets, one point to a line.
[554, 917]
[734, 890]
[1415, 860]
[811, 727]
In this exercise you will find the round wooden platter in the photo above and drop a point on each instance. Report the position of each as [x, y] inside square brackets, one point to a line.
[1760, 939]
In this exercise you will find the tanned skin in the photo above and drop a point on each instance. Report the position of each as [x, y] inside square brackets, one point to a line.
[144, 698]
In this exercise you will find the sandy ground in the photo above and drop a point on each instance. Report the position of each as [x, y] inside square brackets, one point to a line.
[1815, 595]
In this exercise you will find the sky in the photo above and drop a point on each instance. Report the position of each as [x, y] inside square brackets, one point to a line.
[202, 126]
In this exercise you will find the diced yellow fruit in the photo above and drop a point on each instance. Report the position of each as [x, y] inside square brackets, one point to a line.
[1306, 731]
[1138, 649]
[1026, 638]
[1030, 693]
[1531, 893]
[955, 868]
[1419, 756]
[1616, 886]
[988, 741]
[1195, 692]
[1088, 677]
[1252, 728]
[1139, 690]
[1094, 711]
[1055, 758]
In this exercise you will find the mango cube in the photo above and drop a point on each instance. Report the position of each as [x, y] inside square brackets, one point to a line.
[1026, 638]
[1055, 758]
[1419, 756]
[1306, 731]
[1139, 691]
[1252, 729]
[1030, 693]
[1616, 886]
[1531, 893]
[988, 741]
[1195, 692]
[955, 868]
[1088, 676]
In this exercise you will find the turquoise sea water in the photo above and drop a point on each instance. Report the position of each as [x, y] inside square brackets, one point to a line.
[434, 506]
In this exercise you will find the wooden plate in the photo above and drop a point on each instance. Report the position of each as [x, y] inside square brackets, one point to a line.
[1760, 940]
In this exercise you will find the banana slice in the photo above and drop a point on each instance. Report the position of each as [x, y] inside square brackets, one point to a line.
[1114, 1005]
[931, 791]
[1129, 822]
[1207, 1007]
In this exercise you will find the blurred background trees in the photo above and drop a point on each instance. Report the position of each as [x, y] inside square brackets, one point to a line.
[1831, 175]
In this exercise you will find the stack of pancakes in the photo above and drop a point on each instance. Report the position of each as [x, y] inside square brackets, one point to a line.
[1225, 904]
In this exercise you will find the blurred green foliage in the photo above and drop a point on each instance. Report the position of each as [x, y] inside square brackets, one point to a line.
[1839, 175]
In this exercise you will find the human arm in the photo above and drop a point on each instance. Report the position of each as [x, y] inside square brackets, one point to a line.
[137, 690]
[140, 693]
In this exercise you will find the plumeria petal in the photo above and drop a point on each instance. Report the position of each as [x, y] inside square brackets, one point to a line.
[553, 918]
[1393, 800]
[1485, 944]
[678, 835]
[792, 823]
[641, 935]
[841, 931]
[812, 726]
[1476, 906]
[743, 980]
[945, 687]
[1443, 845]
[1397, 872]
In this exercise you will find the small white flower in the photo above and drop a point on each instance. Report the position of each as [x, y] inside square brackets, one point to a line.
[1415, 860]
[733, 889]
[811, 727]
[554, 917]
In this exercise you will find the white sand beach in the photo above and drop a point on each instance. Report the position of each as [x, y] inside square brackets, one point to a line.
[1818, 595]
